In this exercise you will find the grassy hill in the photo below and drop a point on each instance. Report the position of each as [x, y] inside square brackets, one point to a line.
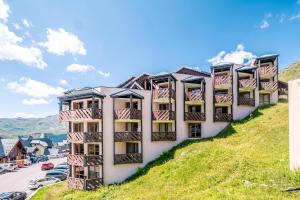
[291, 72]
[7, 134]
[249, 160]
[25, 126]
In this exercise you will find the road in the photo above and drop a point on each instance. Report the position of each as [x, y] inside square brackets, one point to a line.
[18, 180]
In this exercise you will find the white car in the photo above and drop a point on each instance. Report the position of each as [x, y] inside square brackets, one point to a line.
[2, 170]
[37, 183]
[27, 162]
[9, 166]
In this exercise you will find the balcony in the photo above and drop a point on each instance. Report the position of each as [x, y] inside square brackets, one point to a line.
[267, 72]
[194, 97]
[127, 136]
[80, 114]
[128, 158]
[85, 160]
[163, 116]
[84, 184]
[223, 99]
[163, 136]
[223, 117]
[128, 115]
[223, 81]
[247, 84]
[268, 87]
[162, 95]
[194, 116]
[84, 137]
[246, 101]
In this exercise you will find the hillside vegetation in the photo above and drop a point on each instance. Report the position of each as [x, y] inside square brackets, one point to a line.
[249, 160]
[291, 72]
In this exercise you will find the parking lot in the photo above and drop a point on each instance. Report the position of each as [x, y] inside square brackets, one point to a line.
[19, 179]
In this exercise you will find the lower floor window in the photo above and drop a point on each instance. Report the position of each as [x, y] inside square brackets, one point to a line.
[78, 172]
[132, 147]
[94, 172]
[194, 130]
[264, 99]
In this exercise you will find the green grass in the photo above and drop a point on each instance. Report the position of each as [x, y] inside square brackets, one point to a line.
[254, 150]
[291, 72]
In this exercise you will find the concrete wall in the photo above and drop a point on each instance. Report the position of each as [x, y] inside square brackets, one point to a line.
[294, 124]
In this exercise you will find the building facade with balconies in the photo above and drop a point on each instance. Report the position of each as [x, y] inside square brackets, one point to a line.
[113, 131]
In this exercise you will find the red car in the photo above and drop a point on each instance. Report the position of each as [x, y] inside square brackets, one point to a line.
[47, 166]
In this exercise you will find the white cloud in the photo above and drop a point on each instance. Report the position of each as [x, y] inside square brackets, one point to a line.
[264, 24]
[269, 15]
[80, 68]
[60, 42]
[3, 80]
[4, 10]
[104, 74]
[34, 88]
[282, 18]
[17, 26]
[26, 23]
[295, 16]
[35, 101]
[238, 56]
[63, 82]
[24, 115]
[10, 49]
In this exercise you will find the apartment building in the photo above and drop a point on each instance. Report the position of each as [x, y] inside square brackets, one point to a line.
[115, 130]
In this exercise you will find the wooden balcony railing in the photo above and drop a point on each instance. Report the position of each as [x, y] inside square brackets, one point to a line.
[164, 93]
[223, 98]
[194, 116]
[268, 86]
[85, 160]
[222, 79]
[223, 117]
[163, 115]
[194, 96]
[127, 136]
[267, 70]
[163, 136]
[84, 184]
[79, 114]
[128, 158]
[128, 113]
[246, 101]
[248, 83]
[84, 137]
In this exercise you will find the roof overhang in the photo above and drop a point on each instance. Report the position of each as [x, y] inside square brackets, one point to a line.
[81, 94]
[127, 93]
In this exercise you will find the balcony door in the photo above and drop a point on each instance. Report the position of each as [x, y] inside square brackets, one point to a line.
[78, 149]
[221, 110]
[165, 127]
[93, 127]
[78, 105]
[131, 127]
[164, 106]
[94, 172]
[78, 172]
[96, 104]
[94, 149]
[132, 147]
[195, 130]
[134, 105]
[78, 127]
[264, 99]
[244, 95]
[194, 109]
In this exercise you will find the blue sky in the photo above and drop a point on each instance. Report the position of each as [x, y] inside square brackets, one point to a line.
[49, 46]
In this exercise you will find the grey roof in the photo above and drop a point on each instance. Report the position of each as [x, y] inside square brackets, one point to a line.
[7, 145]
[86, 92]
[126, 93]
[30, 149]
[192, 79]
[246, 68]
[267, 56]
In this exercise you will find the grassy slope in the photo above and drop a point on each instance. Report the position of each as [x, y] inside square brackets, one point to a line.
[291, 72]
[255, 150]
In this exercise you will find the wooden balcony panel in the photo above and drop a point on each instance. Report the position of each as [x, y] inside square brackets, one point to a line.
[163, 136]
[84, 184]
[84, 137]
[127, 136]
[164, 93]
[223, 99]
[267, 71]
[223, 117]
[128, 158]
[247, 84]
[246, 101]
[80, 114]
[128, 113]
[194, 116]
[268, 87]
[222, 81]
[194, 97]
[85, 160]
[163, 115]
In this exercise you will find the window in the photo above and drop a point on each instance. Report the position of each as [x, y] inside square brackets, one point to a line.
[194, 130]
[164, 127]
[93, 127]
[194, 108]
[164, 106]
[220, 110]
[78, 172]
[134, 105]
[245, 94]
[264, 99]
[131, 126]
[78, 105]
[93, 149]
[78, 127]
[132, 147]
[79, 149]
[96, 103]
[94, 172]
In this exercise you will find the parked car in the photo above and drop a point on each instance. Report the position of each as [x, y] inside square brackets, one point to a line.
[27, 162]
[2, 170]
[64, 167]
[57, 174]
[53, 156]
[13, 196]
[37, 183]
[47, 166]
[66, 172]
[42, 158]
[9, 166]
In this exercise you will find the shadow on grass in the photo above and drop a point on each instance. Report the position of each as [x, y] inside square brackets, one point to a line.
[169, 155]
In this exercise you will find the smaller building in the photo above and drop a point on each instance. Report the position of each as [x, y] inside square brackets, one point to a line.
[11, 149]
[42, 146]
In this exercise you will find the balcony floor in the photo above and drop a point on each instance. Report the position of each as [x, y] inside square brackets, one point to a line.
[197, 102]
[163, 100]
[127, 120]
